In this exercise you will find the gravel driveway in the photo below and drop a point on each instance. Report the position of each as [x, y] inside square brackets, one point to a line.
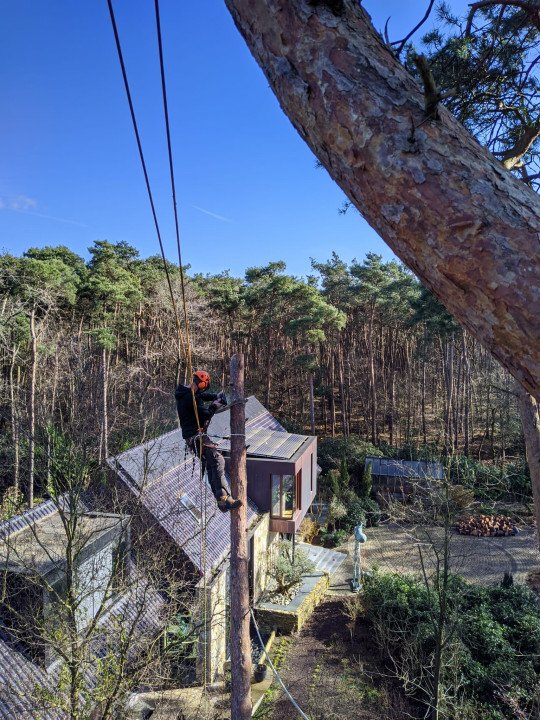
[479, 560]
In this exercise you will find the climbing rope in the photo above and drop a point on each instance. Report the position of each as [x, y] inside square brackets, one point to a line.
[181, 342]
[184, 343]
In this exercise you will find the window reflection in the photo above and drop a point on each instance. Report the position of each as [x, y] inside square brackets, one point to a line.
[288, 497]
[283, 496]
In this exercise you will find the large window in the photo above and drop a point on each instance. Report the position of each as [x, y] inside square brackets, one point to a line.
[285, 495]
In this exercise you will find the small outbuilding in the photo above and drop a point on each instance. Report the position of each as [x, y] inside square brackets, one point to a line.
[397, 479]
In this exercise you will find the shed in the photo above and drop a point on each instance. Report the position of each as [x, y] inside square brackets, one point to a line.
[392, 477]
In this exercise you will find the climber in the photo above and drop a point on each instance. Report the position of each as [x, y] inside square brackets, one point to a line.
[211, 458]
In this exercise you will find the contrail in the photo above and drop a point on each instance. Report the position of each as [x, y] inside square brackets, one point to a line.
[214, 215]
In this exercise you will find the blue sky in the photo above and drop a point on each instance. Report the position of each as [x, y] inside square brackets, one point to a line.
[248, 188]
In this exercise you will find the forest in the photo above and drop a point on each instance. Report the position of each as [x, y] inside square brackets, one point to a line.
[89, 350]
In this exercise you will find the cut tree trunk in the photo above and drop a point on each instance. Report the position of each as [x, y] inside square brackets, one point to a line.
[444, 204]
[240, 617]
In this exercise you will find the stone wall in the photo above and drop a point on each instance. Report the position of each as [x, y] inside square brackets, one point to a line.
[264, 549]
[292, 617]
[215, 633]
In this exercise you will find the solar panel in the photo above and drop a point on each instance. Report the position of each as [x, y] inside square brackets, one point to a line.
[269, 443]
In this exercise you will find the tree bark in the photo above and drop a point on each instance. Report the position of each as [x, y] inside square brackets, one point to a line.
[105, 408]
[311, 404]
[240, 641]
[530, 418]
[444, 204]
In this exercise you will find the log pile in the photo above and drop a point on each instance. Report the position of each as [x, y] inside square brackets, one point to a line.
[487, 526]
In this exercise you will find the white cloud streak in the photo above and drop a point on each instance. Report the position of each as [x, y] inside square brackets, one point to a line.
[27, 206]
[214, 215]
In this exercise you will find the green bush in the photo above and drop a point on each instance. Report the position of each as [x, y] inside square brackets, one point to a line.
[334, 538]
[365, 485]
[356, 514]
[492, 482]
[364, 511]
[331, 451]
[289, 567]
[496, 635]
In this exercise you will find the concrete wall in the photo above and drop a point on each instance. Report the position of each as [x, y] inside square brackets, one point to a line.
[291, 618]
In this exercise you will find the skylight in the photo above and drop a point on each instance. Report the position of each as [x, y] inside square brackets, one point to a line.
[190, 506]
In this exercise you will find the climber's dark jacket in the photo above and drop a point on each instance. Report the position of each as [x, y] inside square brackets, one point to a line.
[186, 412]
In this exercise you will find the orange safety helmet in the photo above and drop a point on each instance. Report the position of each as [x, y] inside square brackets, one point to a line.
[202, 379]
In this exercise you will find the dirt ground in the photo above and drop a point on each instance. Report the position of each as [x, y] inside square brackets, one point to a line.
[329, 677]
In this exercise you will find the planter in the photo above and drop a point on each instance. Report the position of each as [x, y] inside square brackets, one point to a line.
[260, 673]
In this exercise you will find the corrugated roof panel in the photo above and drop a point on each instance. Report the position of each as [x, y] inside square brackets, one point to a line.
[29, 517]
[390, 467]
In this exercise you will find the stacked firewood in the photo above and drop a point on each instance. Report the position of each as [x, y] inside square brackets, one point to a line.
[487, 526]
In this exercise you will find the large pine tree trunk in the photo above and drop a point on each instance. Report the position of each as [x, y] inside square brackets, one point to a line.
[450, 211]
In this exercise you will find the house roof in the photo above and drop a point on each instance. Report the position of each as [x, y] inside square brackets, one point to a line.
[155, 457]
[389, 467]
[37, 541]
[32, 537]
[21, 679]
[162, 497]
[162, 471]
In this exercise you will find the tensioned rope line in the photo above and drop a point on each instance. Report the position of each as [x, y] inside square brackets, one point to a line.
[145, 171]
[187, 354]
[173, 183]
[184, 344]
[275, 671]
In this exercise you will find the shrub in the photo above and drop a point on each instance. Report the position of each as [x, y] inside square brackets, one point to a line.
[336, 512]
[356, 514]
[334, 538]
[364, 511]
[366, 483]
[286, 571]
[496, 646]
[309, 529]
[372, 512]
[344, 477]
[331, 451]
